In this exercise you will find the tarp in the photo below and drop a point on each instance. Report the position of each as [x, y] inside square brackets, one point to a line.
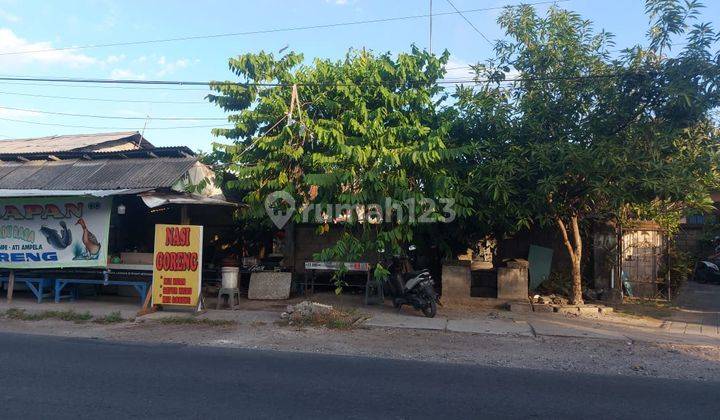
[540, 261]
[157, 199]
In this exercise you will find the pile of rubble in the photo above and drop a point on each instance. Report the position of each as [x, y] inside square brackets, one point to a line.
[550, 300]
[558, 304]
[306, 309]
[313, 314]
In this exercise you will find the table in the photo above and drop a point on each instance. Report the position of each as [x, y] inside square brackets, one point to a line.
[314, 266]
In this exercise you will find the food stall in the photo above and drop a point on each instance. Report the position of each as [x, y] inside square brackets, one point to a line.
[80, 217]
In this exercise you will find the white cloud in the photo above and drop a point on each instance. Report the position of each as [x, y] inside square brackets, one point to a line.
[7, 16]
[458, 69]
[126, 74]
[169, 67]
[18, 114]
[146, 66]
[114, 59]
[9, 42]
[338, 2]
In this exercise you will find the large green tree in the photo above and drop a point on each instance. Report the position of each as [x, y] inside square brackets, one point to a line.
[578, 135]
[362, 130]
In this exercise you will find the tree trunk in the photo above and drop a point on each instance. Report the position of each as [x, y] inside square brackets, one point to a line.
[574, 249]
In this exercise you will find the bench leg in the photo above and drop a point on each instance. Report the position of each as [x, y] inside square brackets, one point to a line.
[34, 290]
[59, 286]
[142, 290]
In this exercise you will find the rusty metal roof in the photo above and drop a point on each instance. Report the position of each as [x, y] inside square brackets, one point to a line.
[95, 174]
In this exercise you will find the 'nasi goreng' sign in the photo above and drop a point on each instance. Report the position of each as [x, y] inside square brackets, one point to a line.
[54, 232]
[177, 265]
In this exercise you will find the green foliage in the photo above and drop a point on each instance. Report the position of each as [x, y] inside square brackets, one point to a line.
[585, 136]
[67, 315]
[111, 318]
[579, 134]
[366, 128]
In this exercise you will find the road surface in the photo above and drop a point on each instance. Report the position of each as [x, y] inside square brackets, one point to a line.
[55, 377]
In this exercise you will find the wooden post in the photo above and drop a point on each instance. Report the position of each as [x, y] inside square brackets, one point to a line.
[147, 309]
[11, 286]
[184, 217]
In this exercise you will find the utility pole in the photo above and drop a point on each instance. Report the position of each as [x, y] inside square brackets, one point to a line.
[431, 16]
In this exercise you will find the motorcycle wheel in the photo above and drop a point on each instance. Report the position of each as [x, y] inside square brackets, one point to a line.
[699, 277]
[430, 310]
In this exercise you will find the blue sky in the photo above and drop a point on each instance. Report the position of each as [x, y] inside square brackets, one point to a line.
[34, 24]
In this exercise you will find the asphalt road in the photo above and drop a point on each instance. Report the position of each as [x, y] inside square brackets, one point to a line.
[54, 377]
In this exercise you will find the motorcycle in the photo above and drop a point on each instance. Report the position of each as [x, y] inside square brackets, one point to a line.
[408, 287]
[707, 270]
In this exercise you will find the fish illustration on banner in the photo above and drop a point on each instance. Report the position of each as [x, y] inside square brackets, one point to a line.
[54, 232]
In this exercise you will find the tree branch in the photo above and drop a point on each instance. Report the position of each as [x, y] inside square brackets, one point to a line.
[566, 240]
[576, 235]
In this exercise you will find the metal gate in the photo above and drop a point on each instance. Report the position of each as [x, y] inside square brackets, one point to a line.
[644, 258]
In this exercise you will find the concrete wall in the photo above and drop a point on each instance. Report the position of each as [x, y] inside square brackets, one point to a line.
[518, 246]
[456, 282]
[307, 243]
[512, 283]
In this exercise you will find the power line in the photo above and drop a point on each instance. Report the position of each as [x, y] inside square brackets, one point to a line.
[277, 84]
[268, 31]
[78, 83]
[114, 128]
[470, 23]
[120, 81]
[115, 117]
[104, 87]
[145, 101]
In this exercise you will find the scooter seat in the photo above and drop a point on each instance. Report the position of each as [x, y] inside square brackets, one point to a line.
[413, 274]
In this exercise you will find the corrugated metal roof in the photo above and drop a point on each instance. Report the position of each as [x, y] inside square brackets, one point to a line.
[168, 151]
[97, 174]
[67, 193]
[126, 140]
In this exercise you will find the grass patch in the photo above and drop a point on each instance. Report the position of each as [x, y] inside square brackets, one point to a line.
[15, 313]
[67, 315]
[189, 320]
[658, 309]
[335, 319]
[111, 318]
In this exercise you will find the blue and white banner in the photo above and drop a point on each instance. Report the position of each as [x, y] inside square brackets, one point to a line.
[54, 232]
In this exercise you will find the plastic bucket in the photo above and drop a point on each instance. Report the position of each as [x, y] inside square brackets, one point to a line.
[230, 277]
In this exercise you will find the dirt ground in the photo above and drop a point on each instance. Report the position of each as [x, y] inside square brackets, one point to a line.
[609, 357]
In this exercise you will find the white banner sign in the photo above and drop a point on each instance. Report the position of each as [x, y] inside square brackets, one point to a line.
[54, 232]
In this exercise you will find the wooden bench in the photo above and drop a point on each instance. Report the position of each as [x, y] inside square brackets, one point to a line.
[40, 287]
[60, 284]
